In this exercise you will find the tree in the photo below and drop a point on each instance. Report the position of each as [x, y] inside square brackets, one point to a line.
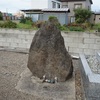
[82, 15]
[1, 17]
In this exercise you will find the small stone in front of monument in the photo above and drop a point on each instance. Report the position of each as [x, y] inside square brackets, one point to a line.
[49, 80]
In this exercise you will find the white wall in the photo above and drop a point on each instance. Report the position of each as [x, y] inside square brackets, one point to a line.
[88, 4]
[62, 17]
[97, 18]
[50, 3]
[39, 4]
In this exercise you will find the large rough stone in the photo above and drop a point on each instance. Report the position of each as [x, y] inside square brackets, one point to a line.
[48, 55]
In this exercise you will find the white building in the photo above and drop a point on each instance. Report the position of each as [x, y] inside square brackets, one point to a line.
[38, 5]
[41, 4]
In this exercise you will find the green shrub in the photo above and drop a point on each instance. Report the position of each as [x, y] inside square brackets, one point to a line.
[8, 24]
[25, 26]
[63, 28]
[29, 22]
[53, 18]
[82, 15]
[1, 24]
[73, 28]
[55, 21]
[96, 26]
[77, 25]
[98, 29]
[23, 20]
[26, 20]
[88, 25]
[1, 17]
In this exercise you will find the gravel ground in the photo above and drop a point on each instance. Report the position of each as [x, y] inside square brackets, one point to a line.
[78, 81]
[94, 64]
[12, 65]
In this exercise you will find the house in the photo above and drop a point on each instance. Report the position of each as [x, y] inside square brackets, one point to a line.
[61, 14]
[47, 8]
[38, 7]
[9, 16]
[96, 17]
[18, 15]
[74, 4]
[44, 14]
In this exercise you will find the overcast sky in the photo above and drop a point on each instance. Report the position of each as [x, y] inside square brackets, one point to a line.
[14, 6]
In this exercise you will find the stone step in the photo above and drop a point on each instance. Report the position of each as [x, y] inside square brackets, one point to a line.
[91, 76]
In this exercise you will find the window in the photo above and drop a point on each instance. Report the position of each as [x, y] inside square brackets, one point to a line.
[53, 4]
[72, 19]
[77, 6]
[58, 5]
[65, 6]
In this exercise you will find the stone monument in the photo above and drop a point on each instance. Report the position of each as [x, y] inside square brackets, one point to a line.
[48, 56]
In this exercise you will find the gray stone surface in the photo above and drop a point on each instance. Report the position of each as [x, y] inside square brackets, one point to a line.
[91, 81]
[33, 85]
[11, 66]
[48, 55]
[98, 56]
[94, 64]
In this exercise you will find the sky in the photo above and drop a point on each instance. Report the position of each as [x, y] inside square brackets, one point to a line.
[13, 6]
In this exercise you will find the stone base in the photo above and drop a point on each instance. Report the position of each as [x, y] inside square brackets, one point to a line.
[34, 86]
[91, 81]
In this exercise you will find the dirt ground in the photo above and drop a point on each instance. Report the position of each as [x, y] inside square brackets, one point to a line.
[12, 65]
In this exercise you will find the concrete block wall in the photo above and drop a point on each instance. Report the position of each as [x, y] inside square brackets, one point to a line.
[75, 42]
[11, 38]
[82, 42]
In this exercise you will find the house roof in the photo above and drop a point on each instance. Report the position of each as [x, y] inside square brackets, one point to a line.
[28, 11]
[97, 13]
[55, 9]
[74, 1]
[31, 10]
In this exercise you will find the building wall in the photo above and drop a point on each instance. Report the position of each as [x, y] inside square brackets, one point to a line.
[9, 16]
[62, 17]
[64, 4]
[75, 42]
[35, 17]
[88, 4]
[97, 18]
[92, 18]
[38, 4]
[50, 3]
[85, 5]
